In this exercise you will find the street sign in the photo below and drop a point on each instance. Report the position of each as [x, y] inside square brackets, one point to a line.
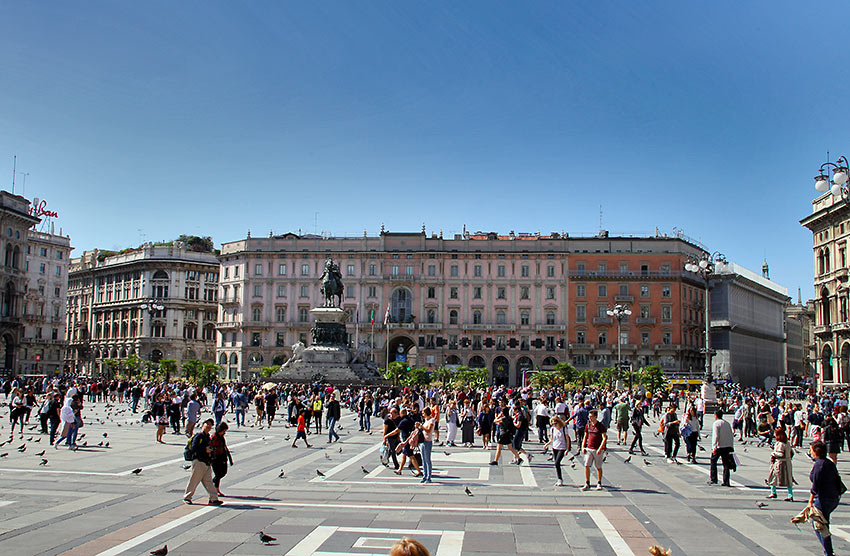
[37, 357]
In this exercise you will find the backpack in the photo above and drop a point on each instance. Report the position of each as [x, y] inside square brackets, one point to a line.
[188, 452]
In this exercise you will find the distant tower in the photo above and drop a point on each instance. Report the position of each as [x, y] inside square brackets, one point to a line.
[765, 271]
[799, 296]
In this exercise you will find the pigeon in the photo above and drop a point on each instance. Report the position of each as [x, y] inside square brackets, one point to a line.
[646, 462]
[282, 474]
[573, 465]
[572, 457]
[447, 453]
[701, 449]
[37, 440]
[761, 505]
[546, 450]
[41, 453]
[340, 449]
[467, 491]
[43, 461]
[319, 473]
[106, 445]
[187, 466]
[628, 460]
[327, 456]
[105, 435]
[4, 454]
[745, 449]
[160, 552]
[266, 539]
[288, 436]
[29, 439]
[363, 469]
[136, 471]
[100, 444]
[22, 447]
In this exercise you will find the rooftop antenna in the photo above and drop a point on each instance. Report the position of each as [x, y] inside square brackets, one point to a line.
[24, 186]
[14, 171]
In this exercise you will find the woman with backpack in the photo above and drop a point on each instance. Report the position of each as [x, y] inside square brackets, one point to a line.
[219, 407]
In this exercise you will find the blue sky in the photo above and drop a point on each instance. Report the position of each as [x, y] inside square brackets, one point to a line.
[216, 117]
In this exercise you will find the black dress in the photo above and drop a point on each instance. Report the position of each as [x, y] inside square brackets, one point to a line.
[467, 428]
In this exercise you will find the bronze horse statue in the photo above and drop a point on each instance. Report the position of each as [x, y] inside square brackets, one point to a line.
[332, 284]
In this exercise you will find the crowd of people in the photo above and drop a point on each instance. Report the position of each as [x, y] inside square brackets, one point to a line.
[495, 419]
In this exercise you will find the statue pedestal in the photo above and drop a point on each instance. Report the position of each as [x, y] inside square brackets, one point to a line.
[709, 396]
[328, 357]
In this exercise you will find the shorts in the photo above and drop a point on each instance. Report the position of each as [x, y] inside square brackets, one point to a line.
[161, 420]
[506, 439]
[591, 458]
[300, 434]
[623, 425]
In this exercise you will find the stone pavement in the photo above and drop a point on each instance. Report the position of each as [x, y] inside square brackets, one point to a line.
[89, 503]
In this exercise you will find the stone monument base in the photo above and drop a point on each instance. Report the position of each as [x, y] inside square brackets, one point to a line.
[328, 359]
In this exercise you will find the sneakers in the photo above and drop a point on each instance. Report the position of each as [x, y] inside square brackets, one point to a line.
[599, 486]
[494, 463]
[187, 501]
[529, 457]
[559, 484]
[519, 461]
[215, 503]
[789, 499]
[586, 486]
[771, 495]
[670, 460]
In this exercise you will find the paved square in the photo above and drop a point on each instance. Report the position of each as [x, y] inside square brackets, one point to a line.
[90, 503]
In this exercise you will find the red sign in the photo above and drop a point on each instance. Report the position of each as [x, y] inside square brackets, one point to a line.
[37, 357]
[39, 209]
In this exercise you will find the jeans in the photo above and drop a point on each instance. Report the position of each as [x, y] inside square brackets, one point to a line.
[691, 443]
[559, 455]
[218, 416]
[135, 404]
[425, 449]
[638, 439]
[669, 450]
[367, 422]
[54, 424]
[725, 455]
[331, 432]
[826, 508]
[240, 416]
[72, 435]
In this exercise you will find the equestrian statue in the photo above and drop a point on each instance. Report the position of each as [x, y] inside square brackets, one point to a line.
[332, 284]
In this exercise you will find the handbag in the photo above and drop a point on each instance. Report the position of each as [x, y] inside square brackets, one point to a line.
[686, 431]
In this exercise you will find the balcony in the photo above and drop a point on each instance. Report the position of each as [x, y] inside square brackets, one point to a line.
[602, 320]
[624, 298]
[822, 329]
[402, 325]
[635, 274]
[230, 324]
[551, 327]
[399, 277]
[507, 327]
[644, 320]
[841, 327]
[582, 347]
[430, 325]
[230, 301]
[667, 347]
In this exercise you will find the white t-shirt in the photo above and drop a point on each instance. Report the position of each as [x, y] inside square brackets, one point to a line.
[559, 441]
[542, 410]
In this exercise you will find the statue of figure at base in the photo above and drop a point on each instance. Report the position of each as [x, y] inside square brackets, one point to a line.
[297, 354]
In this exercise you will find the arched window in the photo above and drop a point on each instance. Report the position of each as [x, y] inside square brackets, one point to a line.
[549, 363]
[222, 360]
[824, 303]
[476, 317]
[280, 314]
[16, 257]
[452, 317]
[826, 261]
[8, 308]
[477, 362]
[278, 359]
[452, 360]
[821, 265]
[8, 261]
[501, 370]
[826, 363]
[550, 317]
[257, 314]
[160, 275]
[234, 359]
[303, 314]
[209, 332]
[256, 358]
[190, 331]
[432, 316]
[501, 317]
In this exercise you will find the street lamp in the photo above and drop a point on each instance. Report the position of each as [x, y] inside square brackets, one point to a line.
[838, 185]
[152, 307]
[621, 313]
[706, 267]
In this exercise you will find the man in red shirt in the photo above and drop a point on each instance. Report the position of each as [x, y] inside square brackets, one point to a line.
[301, 423]
[593, 448]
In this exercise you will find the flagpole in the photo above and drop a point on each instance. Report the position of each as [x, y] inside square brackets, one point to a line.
[357, 330]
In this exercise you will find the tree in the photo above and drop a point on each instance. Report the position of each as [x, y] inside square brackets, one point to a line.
[396, 372]
[566, 371]
[209, 373]
[419, 376]
[653, 378]
[266, 372]
[167, 367]
[586, 377]
[444, 375]
[193, 369]
[132, 365]
[196, 243]
[544, 379]
[609, 375]
[472, 377]
[112, 366]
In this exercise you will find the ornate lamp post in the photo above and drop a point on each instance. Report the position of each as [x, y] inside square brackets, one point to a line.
[152, 307]
[838, 185]
[706, 267]
[621, 313]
